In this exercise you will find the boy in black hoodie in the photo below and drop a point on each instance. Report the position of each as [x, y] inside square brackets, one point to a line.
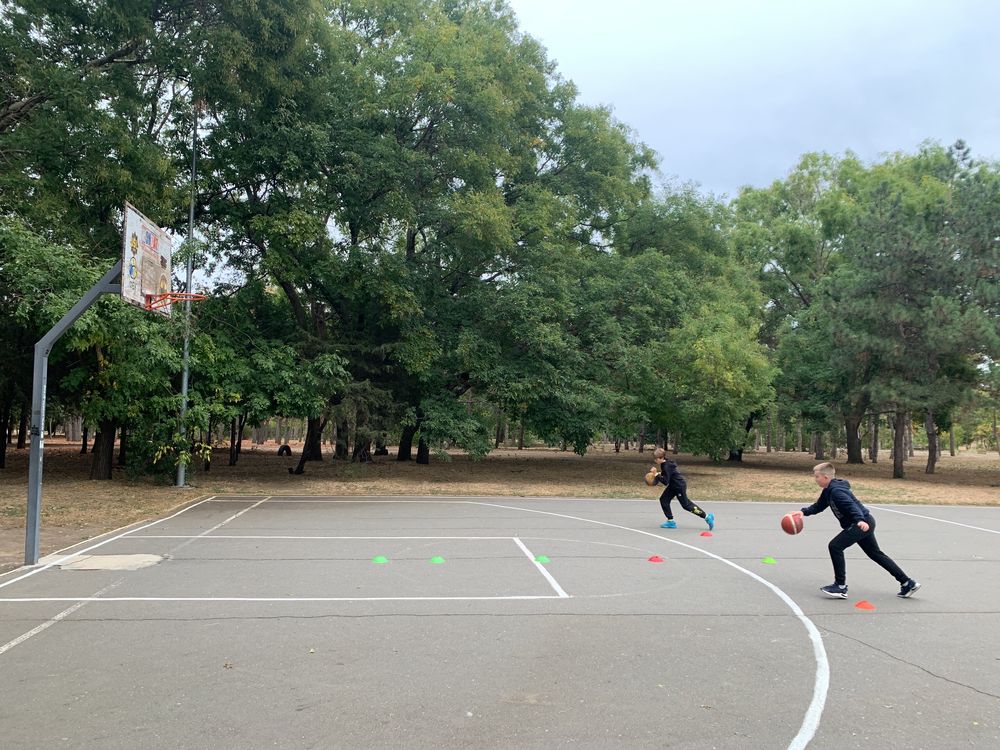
[858, 528]
[675, 486]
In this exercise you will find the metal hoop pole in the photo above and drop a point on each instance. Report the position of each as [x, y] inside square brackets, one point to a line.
[181, 466]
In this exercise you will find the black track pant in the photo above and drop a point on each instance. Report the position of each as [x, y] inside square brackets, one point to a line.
[686, 504]
[868, 544]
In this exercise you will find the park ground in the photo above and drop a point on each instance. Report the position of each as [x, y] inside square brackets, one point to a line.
[75, 508]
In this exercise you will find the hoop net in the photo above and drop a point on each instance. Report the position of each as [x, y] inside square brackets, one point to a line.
[159, 301]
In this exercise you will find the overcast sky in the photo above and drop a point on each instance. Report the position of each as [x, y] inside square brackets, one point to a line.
[732, 92]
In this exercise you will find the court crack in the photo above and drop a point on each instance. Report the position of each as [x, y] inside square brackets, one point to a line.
[911, 664]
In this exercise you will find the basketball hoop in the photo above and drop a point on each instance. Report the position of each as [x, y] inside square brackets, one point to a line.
[159, 301]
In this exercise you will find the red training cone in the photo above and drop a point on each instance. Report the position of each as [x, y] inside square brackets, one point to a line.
[656, 558]
[707, 533]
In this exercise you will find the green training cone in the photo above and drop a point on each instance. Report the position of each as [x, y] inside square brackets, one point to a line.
[437, 559]
[380, 560]
[769, 560]
[541, 558]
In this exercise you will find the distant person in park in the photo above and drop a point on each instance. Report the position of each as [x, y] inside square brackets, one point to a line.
[858, 528]
[674, 485]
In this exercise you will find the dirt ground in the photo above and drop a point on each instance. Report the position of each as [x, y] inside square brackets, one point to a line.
[75, 508]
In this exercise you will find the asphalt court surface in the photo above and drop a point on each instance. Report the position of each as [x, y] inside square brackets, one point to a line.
[299, 622]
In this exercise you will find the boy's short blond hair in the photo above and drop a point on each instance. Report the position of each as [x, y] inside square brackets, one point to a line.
[659, 453]
[825, 468]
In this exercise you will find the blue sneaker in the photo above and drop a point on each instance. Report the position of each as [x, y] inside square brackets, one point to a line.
[710, 520]
[671, 524]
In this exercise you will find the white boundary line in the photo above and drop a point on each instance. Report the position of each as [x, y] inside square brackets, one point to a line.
[52, 621]
[821, 684]
[231, 518]
[204, 534]
[61, 560]
[548, 576]
[279, 536]
[294, 500]
[931, 518]
[291, 599]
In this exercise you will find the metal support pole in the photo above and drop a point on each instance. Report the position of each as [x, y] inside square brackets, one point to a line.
[181, 467]
[107, 285]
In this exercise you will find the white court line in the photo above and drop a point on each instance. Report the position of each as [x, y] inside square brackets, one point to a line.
[552, 581]
[61, 560]
[101, 599]
[232, 518]
[292, 500]
[50, 622]
[204, 534]
[280, 536]
[931, 518]
[821, 684]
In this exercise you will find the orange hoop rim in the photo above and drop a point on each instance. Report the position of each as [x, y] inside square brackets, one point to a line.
[159, 301]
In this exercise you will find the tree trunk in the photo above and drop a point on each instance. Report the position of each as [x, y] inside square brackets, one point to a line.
[520, 436]
[798, 435]
[499, 431]
[104, 450]
[122, 445]
[817, 441]
[833, 445]
[769, 432]
[951, 440]
[932, 441]
[5, 408]
[340, 450]
[210, 440]
[406, 443]
[362, 451]
[312, 448]
[852, 428]
[909, 436]
[996, 443]
[873, 449]
[899, 445]
[83, 443]
[423, 452]
[22, 425]
[677, 443]
[233, 452]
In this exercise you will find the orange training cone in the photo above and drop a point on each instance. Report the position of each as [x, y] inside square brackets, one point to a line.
[864, 604]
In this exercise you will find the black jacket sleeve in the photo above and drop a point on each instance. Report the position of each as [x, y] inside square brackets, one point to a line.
[817, 507]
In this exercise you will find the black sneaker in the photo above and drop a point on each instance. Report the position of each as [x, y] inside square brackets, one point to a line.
[908, 588]
[835, 590]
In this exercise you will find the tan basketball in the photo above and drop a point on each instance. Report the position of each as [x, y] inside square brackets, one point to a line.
[650, 477]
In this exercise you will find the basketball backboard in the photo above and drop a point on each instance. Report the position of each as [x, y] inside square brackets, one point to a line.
[146, 253]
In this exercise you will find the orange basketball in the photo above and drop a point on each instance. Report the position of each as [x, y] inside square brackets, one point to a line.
[650, 477]
[792, 523]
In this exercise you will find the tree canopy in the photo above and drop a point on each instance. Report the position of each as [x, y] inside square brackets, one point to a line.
[412, 230]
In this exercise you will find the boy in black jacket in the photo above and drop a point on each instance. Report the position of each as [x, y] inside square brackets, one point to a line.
[675, 486]
[858, 528]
